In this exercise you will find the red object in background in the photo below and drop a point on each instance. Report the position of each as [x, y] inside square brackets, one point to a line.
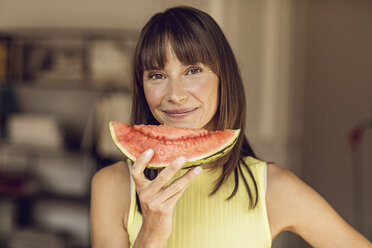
[358, 132]
[15, 186]
[356, 136]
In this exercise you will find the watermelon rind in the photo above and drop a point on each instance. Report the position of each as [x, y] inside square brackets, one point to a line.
[121, 148]
[205, 158]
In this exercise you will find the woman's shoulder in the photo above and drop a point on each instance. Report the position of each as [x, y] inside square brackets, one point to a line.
[281, 187]
[113, 179]
[279, 176]
[117, 173]
[111, 189]
[280, 181]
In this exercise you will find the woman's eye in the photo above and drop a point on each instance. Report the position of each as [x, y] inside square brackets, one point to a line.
[193, 71]
[155, 76]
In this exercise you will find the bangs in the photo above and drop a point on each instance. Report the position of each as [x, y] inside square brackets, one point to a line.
[184, 35]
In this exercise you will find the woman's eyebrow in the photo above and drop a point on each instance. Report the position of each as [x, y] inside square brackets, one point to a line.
[154, 68]
[192, 64]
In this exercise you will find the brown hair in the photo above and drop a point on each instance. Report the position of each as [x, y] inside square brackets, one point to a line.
[196, 38]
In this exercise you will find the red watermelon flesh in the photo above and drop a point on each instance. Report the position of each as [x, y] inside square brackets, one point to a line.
[169, 142]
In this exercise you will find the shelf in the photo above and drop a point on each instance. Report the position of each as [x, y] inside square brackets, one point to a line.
[63, 198]
[67, 85]
[15, 185]
[72, 33]
[60, 73]
[41, 151]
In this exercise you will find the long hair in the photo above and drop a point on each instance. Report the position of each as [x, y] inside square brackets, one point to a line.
[196, 38]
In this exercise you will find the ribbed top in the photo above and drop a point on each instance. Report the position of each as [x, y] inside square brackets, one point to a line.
[200, 220]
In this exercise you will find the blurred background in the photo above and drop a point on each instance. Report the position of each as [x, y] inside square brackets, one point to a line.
[65, 72]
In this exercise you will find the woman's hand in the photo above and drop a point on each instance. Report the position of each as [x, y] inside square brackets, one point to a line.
[158, 197]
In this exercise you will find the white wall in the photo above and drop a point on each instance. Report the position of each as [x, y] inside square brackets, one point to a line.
[338, 95]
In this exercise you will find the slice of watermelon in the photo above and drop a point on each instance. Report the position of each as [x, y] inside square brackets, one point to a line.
[197, 145]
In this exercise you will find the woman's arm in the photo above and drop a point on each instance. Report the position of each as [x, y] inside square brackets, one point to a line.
[294, 206]
[110, 199]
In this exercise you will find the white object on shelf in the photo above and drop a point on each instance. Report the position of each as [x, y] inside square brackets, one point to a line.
[68, 176]
[35, 130]
[65, 57]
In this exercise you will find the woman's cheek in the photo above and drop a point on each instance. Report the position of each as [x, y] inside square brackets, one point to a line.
[204, 88]
[153, 95]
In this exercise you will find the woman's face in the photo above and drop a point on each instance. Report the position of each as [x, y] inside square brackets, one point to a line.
[182, 95]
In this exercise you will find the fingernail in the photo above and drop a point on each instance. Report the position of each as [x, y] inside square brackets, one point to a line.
[181, 160]
[197, 170]
[149, 152]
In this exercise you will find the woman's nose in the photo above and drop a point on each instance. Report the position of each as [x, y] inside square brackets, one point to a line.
[176, 92]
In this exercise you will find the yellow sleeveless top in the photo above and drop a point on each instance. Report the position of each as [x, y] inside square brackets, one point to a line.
[200, 220]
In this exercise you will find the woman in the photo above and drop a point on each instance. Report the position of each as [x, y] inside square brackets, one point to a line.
[185, 74]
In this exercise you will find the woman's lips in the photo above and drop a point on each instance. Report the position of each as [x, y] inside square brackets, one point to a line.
[179, 113]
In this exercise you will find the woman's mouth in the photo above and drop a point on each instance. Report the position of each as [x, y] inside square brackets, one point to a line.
[179, 113]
